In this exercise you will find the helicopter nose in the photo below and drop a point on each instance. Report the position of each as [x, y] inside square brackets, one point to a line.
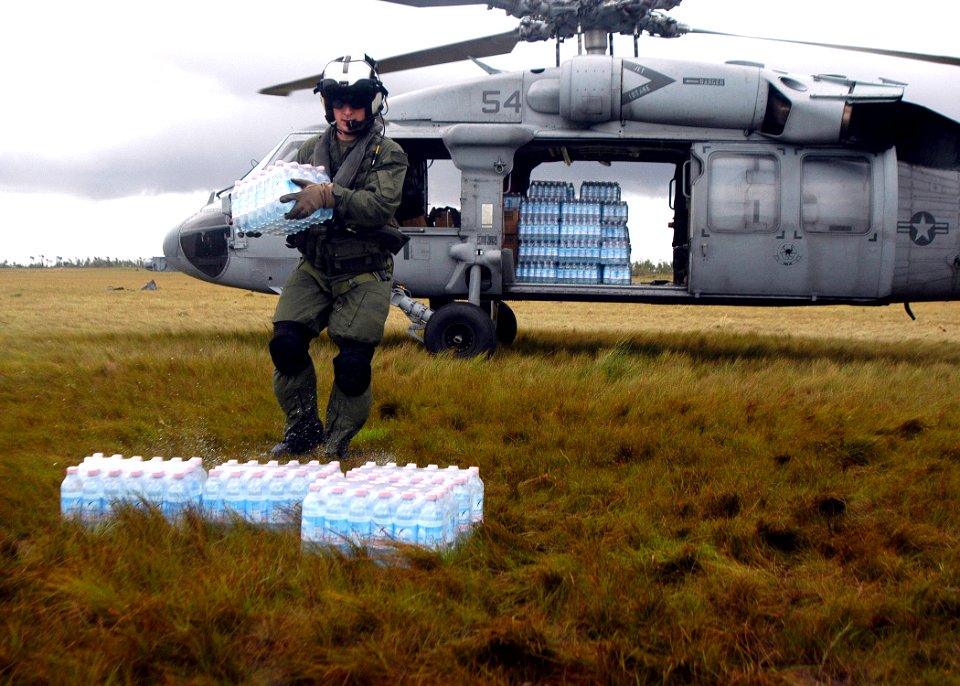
[172, 250]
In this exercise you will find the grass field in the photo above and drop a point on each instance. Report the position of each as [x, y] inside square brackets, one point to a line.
[673, 496]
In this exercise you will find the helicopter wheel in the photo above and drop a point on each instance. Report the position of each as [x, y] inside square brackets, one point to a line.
[462, 329]
[506, 323]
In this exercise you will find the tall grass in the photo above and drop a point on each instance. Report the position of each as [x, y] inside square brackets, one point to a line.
[673, 495]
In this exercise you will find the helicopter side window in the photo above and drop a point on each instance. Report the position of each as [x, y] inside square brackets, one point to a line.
[836, 194]
[744, 193]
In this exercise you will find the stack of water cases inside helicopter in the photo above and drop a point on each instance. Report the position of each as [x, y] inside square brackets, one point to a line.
[568, 240]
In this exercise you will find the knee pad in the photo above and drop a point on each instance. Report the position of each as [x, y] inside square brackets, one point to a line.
[351, 368]
[290, 347]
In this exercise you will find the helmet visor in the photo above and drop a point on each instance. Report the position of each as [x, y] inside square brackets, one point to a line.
[358, 95]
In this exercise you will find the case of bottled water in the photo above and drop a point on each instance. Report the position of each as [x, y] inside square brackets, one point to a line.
[93, 490]
[270, 493]
[566, 240]
[378, 506]
[254, 201]
[373, 506]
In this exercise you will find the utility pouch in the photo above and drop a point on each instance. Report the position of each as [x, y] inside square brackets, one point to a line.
[392, 239]
[352, 256]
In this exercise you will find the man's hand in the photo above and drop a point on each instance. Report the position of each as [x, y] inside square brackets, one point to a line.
[313, 197]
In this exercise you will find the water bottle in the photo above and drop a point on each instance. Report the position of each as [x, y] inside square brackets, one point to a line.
[212, 498]
[297, 487]
[176, 500]
[194, 482]
[475, 486]
[71, 495]
[381, 524]
[234, 496]
[255, 507]
[155, 488]
[430, 523]
[405, 519]
[92, 506]
[133, 495]
[312, 519]
[113, 492]
[358, 516]
[462, 496]
[279, 505]
[336, 525]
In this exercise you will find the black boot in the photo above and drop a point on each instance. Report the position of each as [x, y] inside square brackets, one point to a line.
[301, 439]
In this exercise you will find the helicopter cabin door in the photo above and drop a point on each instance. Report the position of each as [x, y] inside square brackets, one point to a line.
[776, 221]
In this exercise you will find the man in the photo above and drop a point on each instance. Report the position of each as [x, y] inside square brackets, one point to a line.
[344, 278]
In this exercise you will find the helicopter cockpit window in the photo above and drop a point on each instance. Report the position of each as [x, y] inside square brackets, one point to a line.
[836, 194]
[744, 193]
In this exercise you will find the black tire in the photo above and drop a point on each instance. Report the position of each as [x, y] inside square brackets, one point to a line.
[506, 324]
[462, 329]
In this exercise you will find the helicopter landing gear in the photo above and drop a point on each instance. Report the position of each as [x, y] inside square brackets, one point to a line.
[506, 321]
[461, 328]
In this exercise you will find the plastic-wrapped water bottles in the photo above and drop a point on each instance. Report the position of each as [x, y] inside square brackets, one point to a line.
[234, 495]
[381, 528]
[177, 498]
[255, 204]
[462, 497]
[114, 482]
[212, 498]
[359, 517]
[336, 525]
[406, 518]
[431, 530]
[376, 506]
[475, 484]
[92, 506]
[312, 519]
[155, 489]
[71, 495]
[134, 495]
[255, 506]
[114, 491]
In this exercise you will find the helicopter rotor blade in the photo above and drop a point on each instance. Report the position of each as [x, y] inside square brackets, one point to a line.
[290, 86]
[921, 57]
[486, 46]
[437, 3]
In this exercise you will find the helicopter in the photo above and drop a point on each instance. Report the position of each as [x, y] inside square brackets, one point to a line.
[784, 189]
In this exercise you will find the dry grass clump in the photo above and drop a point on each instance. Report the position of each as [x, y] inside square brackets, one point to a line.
[674, 495]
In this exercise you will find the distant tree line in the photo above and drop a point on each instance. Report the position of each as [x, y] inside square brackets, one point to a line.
[42, 261]
[647, 269]
[642, 269]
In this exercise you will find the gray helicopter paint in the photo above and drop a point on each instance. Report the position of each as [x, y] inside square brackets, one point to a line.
[594, 89]
[611, 100]
[781, 249]
[928, 216]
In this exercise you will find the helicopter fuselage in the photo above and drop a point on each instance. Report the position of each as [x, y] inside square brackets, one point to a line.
[785, 189]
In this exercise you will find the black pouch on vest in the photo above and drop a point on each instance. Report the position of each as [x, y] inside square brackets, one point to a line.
[391, 239]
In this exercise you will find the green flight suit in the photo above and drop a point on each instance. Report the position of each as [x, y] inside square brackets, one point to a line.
[344, 279]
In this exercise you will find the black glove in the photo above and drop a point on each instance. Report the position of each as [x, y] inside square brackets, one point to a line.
[296, 240]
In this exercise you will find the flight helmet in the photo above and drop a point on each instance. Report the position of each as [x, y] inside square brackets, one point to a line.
[355, 81]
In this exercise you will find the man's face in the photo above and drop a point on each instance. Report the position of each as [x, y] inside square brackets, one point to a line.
[345, 113]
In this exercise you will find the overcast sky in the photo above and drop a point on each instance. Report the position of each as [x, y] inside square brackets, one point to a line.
[119, 118]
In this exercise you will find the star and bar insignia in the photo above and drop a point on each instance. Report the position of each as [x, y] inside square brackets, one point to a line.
[923, 227]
